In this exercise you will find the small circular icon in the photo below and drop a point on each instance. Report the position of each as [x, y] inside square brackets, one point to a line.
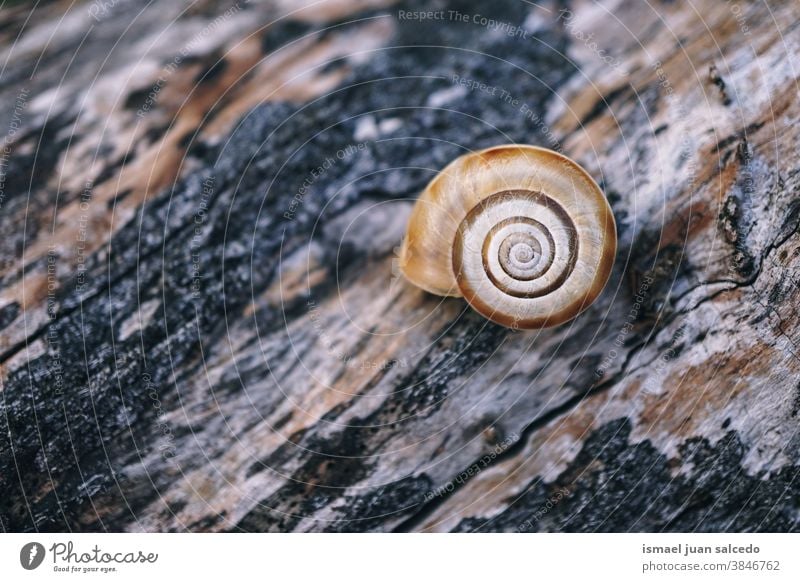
[31, 555]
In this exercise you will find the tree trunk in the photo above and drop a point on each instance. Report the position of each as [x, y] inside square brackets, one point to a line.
[203, 326]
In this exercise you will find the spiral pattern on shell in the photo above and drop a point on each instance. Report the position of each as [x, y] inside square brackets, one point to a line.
[522, 233]
[524, 242]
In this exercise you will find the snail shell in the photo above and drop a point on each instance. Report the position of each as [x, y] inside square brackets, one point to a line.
[522, 233]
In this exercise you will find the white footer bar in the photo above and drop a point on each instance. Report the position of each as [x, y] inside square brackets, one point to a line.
[401, 557]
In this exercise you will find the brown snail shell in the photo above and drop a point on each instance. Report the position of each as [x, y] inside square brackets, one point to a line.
[522, 233]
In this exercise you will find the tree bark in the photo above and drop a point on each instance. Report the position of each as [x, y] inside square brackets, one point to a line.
[203, 326]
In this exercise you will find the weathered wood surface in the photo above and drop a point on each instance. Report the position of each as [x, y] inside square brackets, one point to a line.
[201, 331]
